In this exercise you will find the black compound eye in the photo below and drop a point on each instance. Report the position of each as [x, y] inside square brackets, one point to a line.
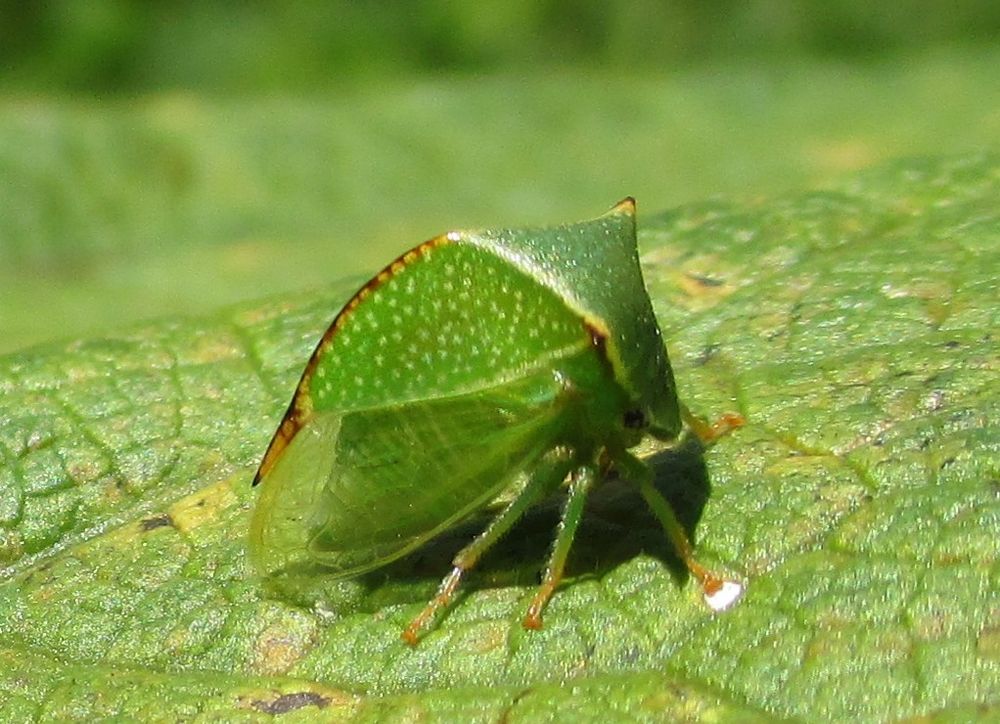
[634, 419]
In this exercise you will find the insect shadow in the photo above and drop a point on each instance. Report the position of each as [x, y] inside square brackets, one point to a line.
[617, 526]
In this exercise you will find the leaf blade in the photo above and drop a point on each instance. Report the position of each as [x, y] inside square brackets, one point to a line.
[860, 504]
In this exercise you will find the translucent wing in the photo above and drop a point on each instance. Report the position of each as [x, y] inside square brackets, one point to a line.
[357, 490]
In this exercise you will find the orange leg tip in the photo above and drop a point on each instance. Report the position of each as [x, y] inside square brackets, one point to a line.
[532, 622]
[728, 421]
[411, 634]
[733, 419]
[711, 584]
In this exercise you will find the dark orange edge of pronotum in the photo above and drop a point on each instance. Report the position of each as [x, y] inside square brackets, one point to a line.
[300, 408]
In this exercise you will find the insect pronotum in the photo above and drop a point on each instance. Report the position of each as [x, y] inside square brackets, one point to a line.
[473, 362]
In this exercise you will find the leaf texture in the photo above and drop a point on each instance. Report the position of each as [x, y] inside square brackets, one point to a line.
[855, 328]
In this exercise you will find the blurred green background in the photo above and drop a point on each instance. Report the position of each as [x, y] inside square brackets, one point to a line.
[164, 158]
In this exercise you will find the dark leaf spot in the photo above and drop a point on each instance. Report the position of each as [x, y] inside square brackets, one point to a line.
[290, 702]
[704, 280]
[157, 521]
[707, 353]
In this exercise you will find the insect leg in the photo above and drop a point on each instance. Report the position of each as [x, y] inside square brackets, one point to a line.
[709, 432]
[546, 476]
[639, 473]
[583, 477]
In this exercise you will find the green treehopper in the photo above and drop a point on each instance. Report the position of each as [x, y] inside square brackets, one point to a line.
[476, 362]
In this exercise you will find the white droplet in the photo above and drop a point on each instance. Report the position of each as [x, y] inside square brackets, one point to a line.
[725, 596]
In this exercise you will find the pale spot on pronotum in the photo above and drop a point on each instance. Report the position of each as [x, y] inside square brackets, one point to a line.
[722, 597]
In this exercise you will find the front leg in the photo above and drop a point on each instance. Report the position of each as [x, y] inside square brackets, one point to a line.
[720, 592]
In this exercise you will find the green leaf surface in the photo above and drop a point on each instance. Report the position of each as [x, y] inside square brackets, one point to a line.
[854, 328]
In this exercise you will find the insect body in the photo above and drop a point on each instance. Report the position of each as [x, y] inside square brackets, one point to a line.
[475, 361]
